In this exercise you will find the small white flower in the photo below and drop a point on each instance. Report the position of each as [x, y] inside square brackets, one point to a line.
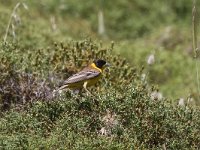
[151, 59]
[181, 102]
[103, 131]
[190, 100]
[110, 121]
[143, 77]
[155, 95]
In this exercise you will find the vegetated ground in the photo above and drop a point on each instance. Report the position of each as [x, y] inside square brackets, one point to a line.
[135, 104]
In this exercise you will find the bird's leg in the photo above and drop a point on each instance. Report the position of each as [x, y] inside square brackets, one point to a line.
[85, 87]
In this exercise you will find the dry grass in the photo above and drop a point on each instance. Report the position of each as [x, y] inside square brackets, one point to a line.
[14, 20]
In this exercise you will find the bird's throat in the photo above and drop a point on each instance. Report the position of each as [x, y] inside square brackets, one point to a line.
[94, 66]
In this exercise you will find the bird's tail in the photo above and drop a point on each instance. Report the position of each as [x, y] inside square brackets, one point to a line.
[51, 95]
[60, 88]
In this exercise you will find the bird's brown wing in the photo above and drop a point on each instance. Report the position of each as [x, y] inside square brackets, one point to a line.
[85, 74]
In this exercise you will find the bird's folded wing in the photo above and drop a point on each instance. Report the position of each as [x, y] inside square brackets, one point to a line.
[83, 75]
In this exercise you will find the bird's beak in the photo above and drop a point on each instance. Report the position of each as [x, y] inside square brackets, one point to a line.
[107, 65]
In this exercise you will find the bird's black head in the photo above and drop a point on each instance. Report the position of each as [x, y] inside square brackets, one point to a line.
[100, 63]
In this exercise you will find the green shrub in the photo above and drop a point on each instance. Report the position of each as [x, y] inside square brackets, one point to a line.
[122, 115]
[136, 121]
[32, 75]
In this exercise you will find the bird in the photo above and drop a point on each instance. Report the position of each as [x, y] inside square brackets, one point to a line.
[87, 77]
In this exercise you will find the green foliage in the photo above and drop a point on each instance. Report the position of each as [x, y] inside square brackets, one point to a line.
[122, 115]
[67, 123]
[39, 54]
[127, 19]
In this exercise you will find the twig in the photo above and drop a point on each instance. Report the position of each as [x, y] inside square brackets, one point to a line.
[195, 47]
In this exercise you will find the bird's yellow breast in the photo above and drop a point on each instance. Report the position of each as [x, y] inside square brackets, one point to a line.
[95, 67]
[93, 81]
